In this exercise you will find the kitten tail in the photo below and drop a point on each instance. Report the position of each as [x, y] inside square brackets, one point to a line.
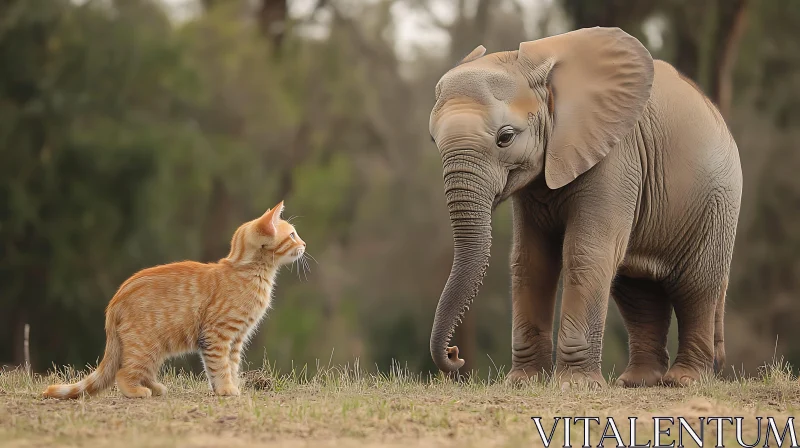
[102, 377]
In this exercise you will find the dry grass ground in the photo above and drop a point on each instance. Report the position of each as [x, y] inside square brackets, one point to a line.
[346, 407]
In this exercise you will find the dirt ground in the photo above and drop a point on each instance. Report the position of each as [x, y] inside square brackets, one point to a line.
[345, 407]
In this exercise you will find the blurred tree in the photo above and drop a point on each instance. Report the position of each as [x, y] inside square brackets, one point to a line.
[80, 121]
[766, 123]
[625, 14]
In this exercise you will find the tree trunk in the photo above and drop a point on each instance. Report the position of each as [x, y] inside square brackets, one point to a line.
[272, 18]
[687, 53]
[731, 24]
[216, 222]
[625, 14]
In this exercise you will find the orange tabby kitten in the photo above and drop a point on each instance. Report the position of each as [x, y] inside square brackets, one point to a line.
[183, 307]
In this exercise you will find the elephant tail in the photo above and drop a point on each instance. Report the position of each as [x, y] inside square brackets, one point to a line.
[719, 331]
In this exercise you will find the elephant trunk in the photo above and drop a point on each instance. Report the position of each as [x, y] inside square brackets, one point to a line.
[470, 202]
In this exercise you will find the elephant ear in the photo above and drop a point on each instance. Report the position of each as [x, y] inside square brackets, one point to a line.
[478, 52]
[599, 80]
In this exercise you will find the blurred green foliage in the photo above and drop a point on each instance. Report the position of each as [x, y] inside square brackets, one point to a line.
[128, 140]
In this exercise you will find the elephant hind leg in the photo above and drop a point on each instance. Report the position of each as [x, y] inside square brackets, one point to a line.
[719, 330]
[696, 310]
[646, 310]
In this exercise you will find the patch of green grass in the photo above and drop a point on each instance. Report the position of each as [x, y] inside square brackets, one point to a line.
[347, 406]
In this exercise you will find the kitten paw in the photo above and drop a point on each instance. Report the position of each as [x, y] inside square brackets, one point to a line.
[228, 391]
[158, 389]
[136, 392]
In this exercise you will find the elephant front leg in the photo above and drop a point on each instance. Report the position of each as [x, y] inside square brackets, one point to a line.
[531, 338]
[580, 336]
[591, 258]
[535, 268]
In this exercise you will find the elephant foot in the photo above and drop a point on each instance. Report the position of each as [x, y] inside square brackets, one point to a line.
[570, 377]
[641, 376]
[524, 375]
[680, 376]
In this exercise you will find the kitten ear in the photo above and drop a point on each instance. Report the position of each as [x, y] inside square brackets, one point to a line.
[267, 223]
[278, 210]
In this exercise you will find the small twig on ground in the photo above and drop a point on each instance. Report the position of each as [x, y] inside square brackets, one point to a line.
[26, 347]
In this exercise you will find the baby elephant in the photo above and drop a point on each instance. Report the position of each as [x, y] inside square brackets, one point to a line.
[624, 179]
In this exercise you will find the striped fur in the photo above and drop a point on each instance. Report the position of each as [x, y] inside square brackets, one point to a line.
[191, 307]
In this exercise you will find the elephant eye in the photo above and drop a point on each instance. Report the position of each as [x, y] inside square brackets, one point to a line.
[505, 136]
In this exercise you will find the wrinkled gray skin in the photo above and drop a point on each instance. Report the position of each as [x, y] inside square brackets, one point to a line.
[623, 177]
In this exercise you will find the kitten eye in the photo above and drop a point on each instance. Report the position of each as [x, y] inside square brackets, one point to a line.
[292, 235]
[505, 136]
